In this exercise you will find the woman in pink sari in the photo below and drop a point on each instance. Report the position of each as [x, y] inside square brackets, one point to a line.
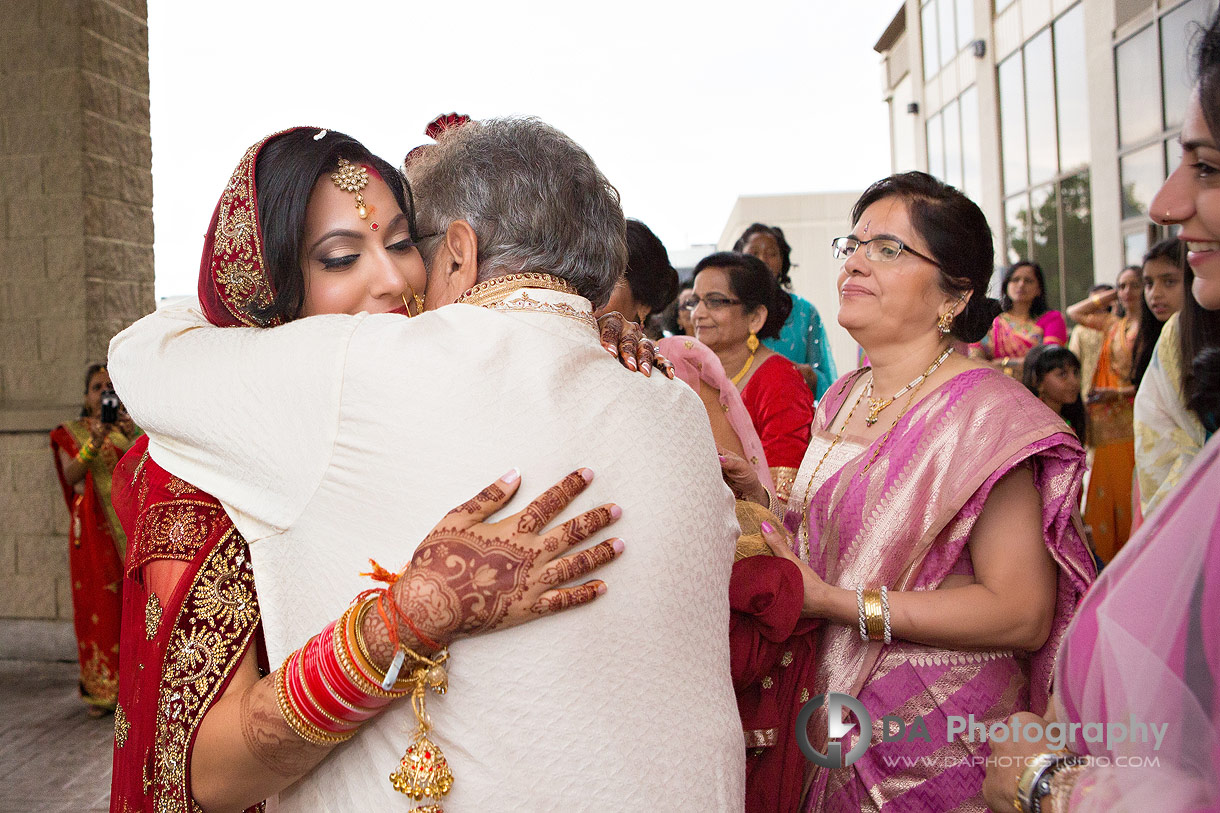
[1024, 321]
[1144, 651]
[934, 524]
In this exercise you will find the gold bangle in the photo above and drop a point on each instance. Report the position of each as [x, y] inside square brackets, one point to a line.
[874, 619]
[356, 630]
[302, 727]
[343, 634]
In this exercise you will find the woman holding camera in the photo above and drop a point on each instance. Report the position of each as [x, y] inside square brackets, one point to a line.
[85, 452]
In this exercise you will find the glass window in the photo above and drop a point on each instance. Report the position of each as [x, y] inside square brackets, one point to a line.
[948, 37]
[1044, 233]
[1072, 94]
[1177, 29]
[1139, 91]
[972, 164]
[1135, 246]
[1077, 237]
[936, 146]
[1012, 122]
[1016, 228]
[1000, 5]
[931, 53]
[1040, 108]
[965, 23]
[1141, 173]
[953, 144]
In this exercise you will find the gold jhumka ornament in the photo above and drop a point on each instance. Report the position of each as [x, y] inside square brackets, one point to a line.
[351, 177]
[424, 771]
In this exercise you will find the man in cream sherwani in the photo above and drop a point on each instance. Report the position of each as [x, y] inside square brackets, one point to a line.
[336, 438]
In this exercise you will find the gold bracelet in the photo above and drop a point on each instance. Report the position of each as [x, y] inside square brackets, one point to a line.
[874, 619]
[402, 686]
[302, 727]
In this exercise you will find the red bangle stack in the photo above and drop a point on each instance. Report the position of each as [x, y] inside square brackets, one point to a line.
[328, 688]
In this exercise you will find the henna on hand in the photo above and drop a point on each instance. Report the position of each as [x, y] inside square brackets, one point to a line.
[471, 576]
[270, 739]
[565, 598]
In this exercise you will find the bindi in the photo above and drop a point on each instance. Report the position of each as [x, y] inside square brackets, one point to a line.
[866, 225]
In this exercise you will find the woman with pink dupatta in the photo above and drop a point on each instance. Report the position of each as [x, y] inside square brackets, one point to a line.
[933, 519]
[1024, 322]
[1144, 650]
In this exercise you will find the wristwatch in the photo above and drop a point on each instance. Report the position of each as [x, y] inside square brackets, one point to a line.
[1035, 781]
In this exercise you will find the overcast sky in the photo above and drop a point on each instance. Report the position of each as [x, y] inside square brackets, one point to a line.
[684, 105]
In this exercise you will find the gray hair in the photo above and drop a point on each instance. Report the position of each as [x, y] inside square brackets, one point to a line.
[533, 196]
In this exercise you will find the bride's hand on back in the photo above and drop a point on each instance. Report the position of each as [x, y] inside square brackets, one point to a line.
[472, 575]
[625, 340]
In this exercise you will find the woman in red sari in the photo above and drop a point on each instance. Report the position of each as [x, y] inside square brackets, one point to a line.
[199, 722]
[85, 453]
[737, 303]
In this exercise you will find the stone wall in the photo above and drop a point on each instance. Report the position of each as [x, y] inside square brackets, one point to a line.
[76, 266]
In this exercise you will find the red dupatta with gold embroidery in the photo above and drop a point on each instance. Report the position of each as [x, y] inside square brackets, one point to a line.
[190, 612]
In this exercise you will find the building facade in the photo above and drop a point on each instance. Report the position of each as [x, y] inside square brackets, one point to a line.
[1058, 117]
[809, 222]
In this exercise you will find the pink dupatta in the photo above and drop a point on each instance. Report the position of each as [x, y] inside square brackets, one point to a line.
[905, 523]
[1144, 650]
[696, 364]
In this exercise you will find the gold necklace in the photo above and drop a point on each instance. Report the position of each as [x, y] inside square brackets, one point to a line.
[745, 369]
[877, 405]
[833, 443]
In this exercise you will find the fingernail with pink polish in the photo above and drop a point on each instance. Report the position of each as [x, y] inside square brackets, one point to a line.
[616, 511]
[767, 527]
[512, 476]
[601, 588]
[587, 474]
[618, 546]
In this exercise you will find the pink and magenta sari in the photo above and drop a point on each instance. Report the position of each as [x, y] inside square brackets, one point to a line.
[1009, 338]
[904, 521]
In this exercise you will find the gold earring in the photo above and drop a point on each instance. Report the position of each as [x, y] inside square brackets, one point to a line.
[945, 323]
[350, 177]
[752, 343]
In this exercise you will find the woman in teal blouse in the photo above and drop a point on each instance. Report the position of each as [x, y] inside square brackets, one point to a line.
[803, 337]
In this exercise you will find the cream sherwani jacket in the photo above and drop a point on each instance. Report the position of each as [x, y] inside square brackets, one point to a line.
[334, 439]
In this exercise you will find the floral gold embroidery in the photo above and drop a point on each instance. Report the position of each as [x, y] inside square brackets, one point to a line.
[218, 616]
[786, 660]
[524, 303]
[767, 682]
[121, 726]
[498, 288]
[804, 695]
[177, 486]
[152, 616]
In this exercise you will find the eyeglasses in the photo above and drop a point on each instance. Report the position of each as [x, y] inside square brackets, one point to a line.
[713, 302]
[879, 249]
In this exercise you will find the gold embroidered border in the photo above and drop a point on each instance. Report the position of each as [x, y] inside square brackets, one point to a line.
[212, 630]
[498, 288]
[523, 303]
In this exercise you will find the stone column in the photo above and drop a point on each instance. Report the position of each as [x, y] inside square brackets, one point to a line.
[76, 266]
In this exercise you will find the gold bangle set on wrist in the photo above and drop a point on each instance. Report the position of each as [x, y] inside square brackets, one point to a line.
[873, 607]
[87, 453]
[303, 728]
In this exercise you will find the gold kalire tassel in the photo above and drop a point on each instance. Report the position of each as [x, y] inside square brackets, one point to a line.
[424, 771]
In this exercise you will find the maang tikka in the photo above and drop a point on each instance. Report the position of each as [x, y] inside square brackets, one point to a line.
[351, 177]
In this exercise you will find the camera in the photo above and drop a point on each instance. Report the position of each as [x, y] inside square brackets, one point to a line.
[110, 405]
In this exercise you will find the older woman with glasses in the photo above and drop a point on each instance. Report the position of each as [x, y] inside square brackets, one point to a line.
[932, 521]
[736, 303]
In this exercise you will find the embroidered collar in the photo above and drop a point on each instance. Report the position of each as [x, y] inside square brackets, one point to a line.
[511, 293]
